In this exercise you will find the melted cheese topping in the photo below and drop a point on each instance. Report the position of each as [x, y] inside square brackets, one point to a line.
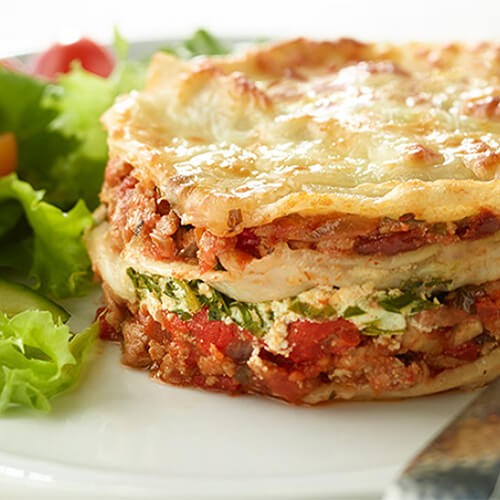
[317, 127]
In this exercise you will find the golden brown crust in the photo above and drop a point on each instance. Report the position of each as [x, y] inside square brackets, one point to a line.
[317, 127]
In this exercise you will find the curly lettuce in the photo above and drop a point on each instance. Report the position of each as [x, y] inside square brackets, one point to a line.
[39, 358]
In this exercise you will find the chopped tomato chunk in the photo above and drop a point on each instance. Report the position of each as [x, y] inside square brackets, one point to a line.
[311, 341]
[212, 332]
[207, 332]
[172, 322]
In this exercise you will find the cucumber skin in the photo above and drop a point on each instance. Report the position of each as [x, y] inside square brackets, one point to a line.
[16, 298]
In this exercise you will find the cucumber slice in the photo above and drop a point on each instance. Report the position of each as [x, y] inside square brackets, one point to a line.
[16, 298]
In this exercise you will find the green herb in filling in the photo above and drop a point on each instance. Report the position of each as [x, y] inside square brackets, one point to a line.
[415, 296]
[373, 331]
[309, 311]
[144, 282]
[352, 311]
[184, 290]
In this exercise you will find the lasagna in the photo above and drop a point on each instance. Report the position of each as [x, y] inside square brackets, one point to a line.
[307, 220]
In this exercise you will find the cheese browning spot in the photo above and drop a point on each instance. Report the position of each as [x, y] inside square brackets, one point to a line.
[419, 154]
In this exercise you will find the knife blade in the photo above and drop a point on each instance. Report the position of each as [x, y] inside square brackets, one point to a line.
[462, 462]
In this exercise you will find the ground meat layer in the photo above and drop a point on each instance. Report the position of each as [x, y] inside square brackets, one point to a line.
[137, 211]
[217, 356]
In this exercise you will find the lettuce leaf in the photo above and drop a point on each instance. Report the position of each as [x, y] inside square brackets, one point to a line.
[10, 213]
[200, 43]
[58, 259]
[41, 147]
[39, 358]
[79, 99]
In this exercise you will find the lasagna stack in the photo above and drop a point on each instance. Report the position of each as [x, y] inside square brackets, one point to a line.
[307, 220]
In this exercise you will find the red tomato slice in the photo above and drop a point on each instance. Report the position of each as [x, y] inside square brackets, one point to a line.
[58, 58]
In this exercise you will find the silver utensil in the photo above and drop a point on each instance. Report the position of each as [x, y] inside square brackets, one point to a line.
[462, 462]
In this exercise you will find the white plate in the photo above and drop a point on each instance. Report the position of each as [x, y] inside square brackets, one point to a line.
[121, 435]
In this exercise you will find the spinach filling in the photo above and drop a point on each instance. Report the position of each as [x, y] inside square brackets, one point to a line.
[190, 298]
[379, 313]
